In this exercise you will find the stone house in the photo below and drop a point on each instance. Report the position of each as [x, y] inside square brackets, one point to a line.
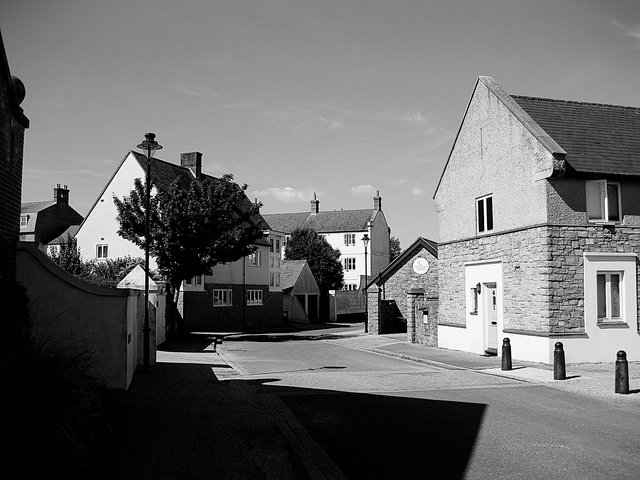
[539, 218]
[241, 294]
[13, 123]
[45, 222]
[404, 296]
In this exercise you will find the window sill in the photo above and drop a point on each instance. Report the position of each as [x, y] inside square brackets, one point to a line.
[473, 313]
[614, 324]
[605, 224]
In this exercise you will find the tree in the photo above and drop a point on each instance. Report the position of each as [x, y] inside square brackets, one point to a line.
[394, 248]
[67, 256]
[194, 226]
[324, 260]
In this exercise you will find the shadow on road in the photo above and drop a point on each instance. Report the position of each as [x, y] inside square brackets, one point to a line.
[179, 421]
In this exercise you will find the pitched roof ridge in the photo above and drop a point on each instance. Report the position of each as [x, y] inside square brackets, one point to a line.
[576, 102]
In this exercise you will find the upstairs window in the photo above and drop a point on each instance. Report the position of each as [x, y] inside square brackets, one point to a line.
[484, 214]
[277, 245]
[24, 219]
[349, 263]
[102, 251]
[255, 259]
[349, 239]
[603, 201]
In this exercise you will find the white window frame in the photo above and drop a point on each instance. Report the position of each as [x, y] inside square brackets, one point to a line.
[254, 297]
[349, 263]
[608, 318]
[255, 259]
[102, 251]
[222, 297]
[24, 220]
[483, 226]
[350, 239]
[602, 187]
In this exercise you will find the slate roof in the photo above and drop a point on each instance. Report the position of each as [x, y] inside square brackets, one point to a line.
[598, 138]
[72, 230]
[35, 207]
[291, 270]
[398, 262]
[322, 222]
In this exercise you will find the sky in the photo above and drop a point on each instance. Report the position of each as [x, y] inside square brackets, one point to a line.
[341, 98]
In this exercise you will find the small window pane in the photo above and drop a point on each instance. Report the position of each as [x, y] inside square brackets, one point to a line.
[615, 295]
[481, 215]
[601, 290]
[489, 204]
[594, 200]
[612, 202]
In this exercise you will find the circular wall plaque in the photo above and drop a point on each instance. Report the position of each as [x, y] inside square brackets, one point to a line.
[420, 265]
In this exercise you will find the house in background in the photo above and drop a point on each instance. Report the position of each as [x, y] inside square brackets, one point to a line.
[539, 218]
[237, 295]
[300, 292]
[45, 222]
[13, 123]
[404, 296]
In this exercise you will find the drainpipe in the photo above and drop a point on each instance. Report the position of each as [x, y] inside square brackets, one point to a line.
[244, 291]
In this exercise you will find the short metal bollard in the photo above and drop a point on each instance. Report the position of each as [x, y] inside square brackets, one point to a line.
[506, 354]
[559, 368]
[622, 372]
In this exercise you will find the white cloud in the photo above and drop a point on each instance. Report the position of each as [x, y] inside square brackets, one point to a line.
[198, 91]
[284, 194]
[417, 191]
[632, 31]
[363, 190]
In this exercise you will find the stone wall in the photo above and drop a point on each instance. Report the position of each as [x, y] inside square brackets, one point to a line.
[543, 273]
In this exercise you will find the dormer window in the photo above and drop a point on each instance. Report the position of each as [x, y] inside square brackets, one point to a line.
[484, 214]
[603, 201]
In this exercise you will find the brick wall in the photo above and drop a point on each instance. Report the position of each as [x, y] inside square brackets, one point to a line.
[200, 315]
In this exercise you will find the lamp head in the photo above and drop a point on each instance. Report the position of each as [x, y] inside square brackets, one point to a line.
[149, 145]
[365, 239]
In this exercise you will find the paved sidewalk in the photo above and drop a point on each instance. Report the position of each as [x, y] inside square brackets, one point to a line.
[592, 379]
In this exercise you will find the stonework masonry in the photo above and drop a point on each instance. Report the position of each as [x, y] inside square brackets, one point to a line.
[543, 273]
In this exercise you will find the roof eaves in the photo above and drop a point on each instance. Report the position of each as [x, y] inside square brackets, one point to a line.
[398, 262]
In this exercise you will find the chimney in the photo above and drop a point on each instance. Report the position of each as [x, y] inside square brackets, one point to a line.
[193, 161]
[61, 195]
[377, 201]
[315, 204]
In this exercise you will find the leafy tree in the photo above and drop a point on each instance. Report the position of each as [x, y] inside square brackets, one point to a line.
[324, 260]
[194, 226]
[67, 256]
[394, 248]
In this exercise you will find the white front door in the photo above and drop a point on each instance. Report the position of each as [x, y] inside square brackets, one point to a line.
[491, 315]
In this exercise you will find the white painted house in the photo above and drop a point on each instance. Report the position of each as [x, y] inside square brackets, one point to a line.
[242, 294]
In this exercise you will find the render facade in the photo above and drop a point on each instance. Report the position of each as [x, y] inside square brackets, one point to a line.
[539, 219]
[241, 294]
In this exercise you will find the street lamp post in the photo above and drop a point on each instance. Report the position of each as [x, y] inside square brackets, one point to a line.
[365, 240]
[149, 145]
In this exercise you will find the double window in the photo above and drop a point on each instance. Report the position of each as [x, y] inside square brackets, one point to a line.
[349, 239]
[484, 214]
[349, 263]
[102, 251]
[254, 297]
[603, 201]
[609, 299]
[255, 259]
[222, 297]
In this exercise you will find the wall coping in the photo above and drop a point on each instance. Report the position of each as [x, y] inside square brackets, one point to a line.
[545, 334]
[447, 324]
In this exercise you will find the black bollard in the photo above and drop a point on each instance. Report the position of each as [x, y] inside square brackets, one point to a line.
[559, 368]
[506, 354]
[622, 372]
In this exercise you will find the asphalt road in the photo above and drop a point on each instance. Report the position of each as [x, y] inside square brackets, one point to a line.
[351, 413]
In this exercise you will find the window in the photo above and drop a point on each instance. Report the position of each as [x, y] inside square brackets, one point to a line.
[272, 262]
[222, 297]
[198, 281]
[255, 259]
[350, 287]
[286, 240]
[24, 219]
[271, 245]
[254, 297]
[603, 201]
[485, 214]
[349, 238]
[277, 279]
[102, 251]
[349, 263]
[608, 285]
[272, 280]
[277, 245]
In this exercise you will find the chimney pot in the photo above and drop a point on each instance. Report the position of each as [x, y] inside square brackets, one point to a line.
[377, 201]
[315, 204]
[61, 195]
